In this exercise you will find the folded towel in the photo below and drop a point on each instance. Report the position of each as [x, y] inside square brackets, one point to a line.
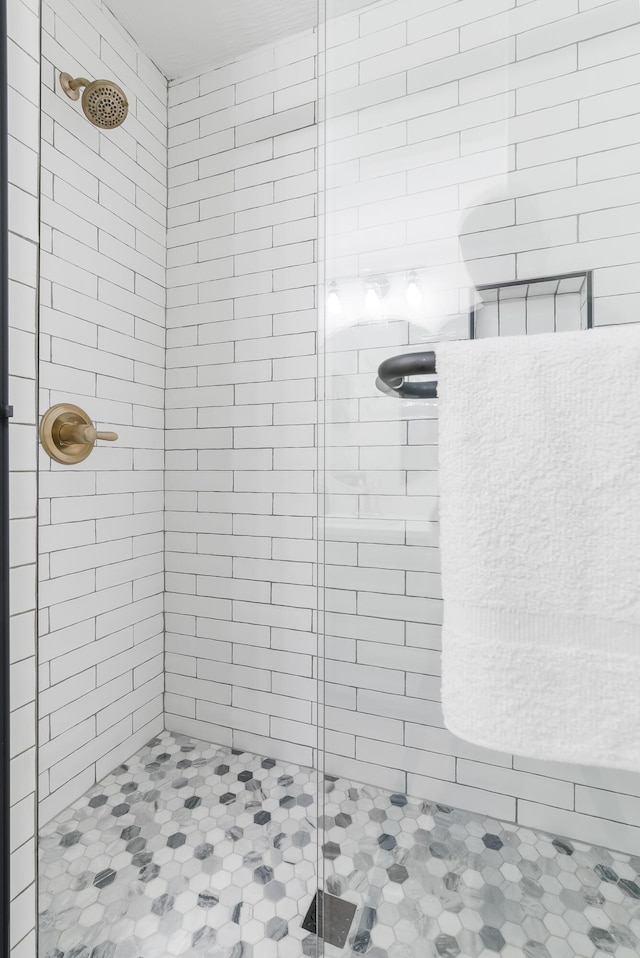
[540, 536]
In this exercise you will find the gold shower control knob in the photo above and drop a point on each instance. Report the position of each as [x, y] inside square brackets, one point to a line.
[68, 434]
[71, 433]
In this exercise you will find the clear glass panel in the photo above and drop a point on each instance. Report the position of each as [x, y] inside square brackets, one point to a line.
[467, 147]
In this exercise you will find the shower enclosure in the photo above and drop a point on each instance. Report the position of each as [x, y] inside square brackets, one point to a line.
[5, 413]
[245, 267]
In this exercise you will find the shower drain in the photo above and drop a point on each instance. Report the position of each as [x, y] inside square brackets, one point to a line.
[330, 919]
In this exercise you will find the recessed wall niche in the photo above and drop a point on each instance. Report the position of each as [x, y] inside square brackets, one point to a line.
[551, 304]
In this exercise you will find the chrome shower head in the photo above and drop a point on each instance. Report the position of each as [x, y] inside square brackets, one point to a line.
[104, 103]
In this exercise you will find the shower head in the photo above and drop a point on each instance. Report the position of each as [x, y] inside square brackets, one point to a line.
[104, 102]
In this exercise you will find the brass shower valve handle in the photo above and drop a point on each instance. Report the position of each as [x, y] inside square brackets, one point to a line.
[68, 434]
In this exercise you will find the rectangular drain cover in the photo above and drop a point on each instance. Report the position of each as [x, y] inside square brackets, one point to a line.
[330, 918]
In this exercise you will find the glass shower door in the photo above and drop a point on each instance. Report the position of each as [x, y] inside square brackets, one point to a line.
[476, 180]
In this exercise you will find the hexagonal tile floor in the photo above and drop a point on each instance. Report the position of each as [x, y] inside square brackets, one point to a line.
[194, 850]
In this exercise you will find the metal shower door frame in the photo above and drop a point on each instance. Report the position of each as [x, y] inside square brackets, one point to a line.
[5, 413]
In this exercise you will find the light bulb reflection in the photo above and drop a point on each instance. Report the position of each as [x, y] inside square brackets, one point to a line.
[415, 299]
[372, 304]
[334, 304]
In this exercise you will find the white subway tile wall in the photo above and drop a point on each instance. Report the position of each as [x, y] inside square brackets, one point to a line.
[475, 144]
[517, 132]
[102, 346]
[23, 55]
[473, 149]
[241, 410]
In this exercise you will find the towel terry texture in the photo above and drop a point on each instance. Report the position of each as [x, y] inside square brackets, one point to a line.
[540, 537]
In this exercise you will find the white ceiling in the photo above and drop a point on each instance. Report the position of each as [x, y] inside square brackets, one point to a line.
[187, 37]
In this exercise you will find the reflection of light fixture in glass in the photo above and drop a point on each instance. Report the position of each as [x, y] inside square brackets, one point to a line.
[372, 303]
[415, 299]
[377, 289]
[334, 306]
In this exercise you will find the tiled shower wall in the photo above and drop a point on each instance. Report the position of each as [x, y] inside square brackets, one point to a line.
[241, 413]
[23, 101]
[102, 327]
[419, 151]
[269, 659]
[517, 132]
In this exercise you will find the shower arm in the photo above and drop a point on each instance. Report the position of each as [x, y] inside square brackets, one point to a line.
[71, 85]
[78, 82]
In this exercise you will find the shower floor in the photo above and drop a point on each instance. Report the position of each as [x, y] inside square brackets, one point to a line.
[195, 850]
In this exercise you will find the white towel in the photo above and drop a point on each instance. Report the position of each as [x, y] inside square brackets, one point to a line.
[540, 535]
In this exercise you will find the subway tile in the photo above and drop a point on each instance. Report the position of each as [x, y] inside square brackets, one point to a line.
[518, 784]
[241, 357]
[586, 828]
[435, 739]
[580, 27]
[441, 48]
[516, 20]
[609, 46]
[418, 761]
[502, 807]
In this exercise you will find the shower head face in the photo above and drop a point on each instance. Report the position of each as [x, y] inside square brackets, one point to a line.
[105, 104]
